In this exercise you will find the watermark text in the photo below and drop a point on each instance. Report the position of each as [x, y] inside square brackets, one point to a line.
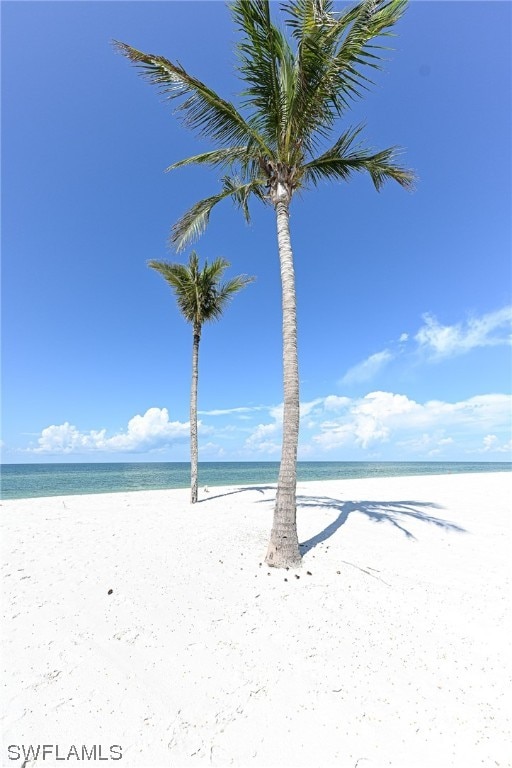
[29, 752]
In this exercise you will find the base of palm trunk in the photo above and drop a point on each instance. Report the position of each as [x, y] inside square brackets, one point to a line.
[193, 495]
[283, 548]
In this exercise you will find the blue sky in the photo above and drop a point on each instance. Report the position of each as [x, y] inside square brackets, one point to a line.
[404, 300]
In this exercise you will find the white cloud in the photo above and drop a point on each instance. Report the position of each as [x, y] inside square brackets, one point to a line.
[380, 417]
[260, 440]
[368, 368]
[263, 431]
[276, 413]
[213, 451]
[309, 407]
[336, 403]
[144, 433]
[408, 428]
[149, 431]
[380, 422]
[66, 438]
[366, 420]
[445, 340]
[491, 443]
[427, 444]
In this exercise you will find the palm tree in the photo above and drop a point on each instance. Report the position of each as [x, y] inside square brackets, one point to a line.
[296, 88]
[201, 297]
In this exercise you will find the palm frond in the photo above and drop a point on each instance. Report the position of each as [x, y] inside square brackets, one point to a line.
[356, 30]
[182, 280]
[294, 99]
[305, 15]
[265, 56]
[200, 294]
[224, 292]
[193, 223]
[334, 50]
[203, 109]
[241, 192]
[216, 158]
[346, 157]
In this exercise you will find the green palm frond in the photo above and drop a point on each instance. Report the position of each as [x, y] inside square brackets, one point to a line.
[203, 109]
[178, 277]
[293, 99]
[200, 294]
[193, 223]
[261, 52]
[216, 158]
[370, 19]
[305, 15]
[332, 52]
[224, 292]
[240, 192]
[268, 66]
[346, 157]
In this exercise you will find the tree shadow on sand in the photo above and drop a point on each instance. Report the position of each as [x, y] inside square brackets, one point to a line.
[394, 512]
[260, 488]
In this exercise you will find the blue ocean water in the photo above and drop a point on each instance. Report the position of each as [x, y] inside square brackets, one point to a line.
[24, 481]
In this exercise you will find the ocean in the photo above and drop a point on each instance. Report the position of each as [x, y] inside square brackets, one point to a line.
[25, 481]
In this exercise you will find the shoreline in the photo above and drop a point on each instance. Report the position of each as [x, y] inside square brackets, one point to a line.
[390, 648]
[504, 468]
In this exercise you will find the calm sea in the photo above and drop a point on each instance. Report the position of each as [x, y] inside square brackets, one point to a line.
[25, 481]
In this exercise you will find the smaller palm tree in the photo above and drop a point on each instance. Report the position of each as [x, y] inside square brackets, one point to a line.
[201, 297]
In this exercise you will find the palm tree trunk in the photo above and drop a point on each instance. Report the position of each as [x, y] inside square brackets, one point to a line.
[283, 548]
[193, 415]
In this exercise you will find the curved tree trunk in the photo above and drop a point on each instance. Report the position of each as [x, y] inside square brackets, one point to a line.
[283, 548]
[193, 415]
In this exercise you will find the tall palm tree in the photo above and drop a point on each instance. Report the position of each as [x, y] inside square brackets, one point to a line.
[201, 297]
[297, 85]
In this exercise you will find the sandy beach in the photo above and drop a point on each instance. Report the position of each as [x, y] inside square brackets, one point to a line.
[138, 624]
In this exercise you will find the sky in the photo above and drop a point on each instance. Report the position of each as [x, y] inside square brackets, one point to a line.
[404, 298]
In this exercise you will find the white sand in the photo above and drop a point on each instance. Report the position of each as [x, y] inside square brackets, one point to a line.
[393, 652]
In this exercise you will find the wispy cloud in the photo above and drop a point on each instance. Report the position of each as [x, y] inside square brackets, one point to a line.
[436, 342]
[306, 407]
[441, 341]
[427, 444]
[367, 369]
[229, 411]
